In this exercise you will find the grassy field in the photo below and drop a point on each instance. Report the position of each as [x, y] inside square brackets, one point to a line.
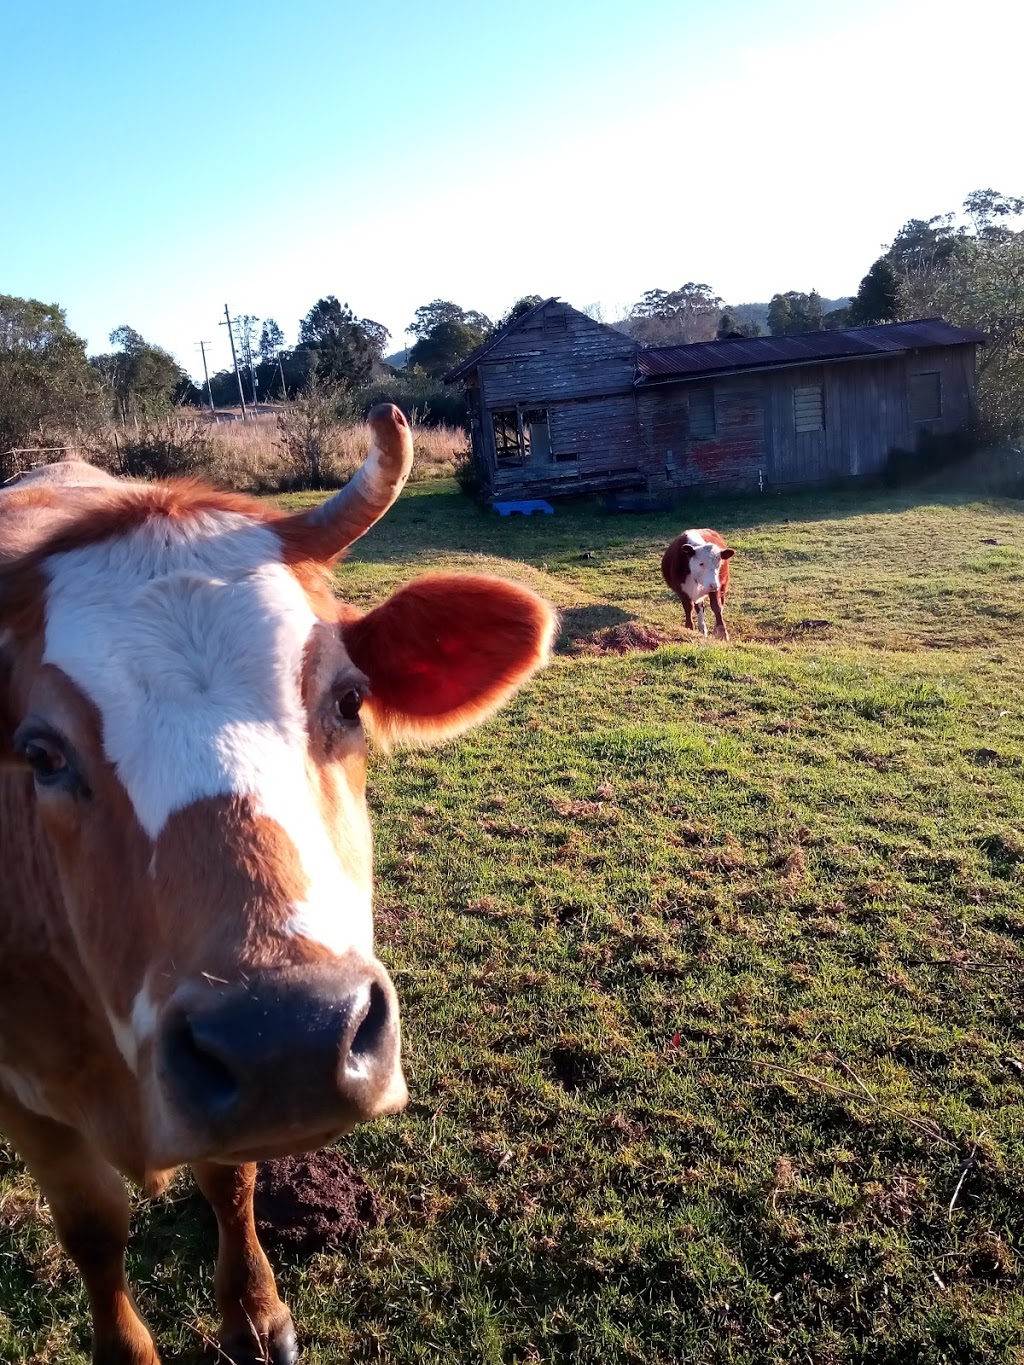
[709, 961]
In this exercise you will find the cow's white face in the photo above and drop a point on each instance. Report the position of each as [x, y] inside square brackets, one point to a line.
[208, 646]
[705, 571]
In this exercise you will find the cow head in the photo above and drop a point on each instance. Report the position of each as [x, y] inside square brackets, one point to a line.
[705, 564]
[190, 705]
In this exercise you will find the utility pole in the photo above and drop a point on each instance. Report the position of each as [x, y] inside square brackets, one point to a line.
[234, 359]
[209, 392]
[284, 386]
[246, 325]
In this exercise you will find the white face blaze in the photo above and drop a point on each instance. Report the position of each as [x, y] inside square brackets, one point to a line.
[705, 567]
[189, 639]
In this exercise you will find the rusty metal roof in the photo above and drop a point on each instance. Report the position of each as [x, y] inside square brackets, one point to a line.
[809, 348]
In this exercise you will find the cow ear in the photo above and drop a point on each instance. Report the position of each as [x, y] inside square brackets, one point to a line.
[728, 553]
[445, 652]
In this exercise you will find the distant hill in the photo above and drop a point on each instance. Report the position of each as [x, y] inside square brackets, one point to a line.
[397, 359]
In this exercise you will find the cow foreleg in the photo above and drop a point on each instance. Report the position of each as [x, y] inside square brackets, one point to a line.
[721, 630]
[256, 1328]
[89, 1204]
[702, 625]
[688, 608]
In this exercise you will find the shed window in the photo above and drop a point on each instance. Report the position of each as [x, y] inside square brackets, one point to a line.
[809, 407]
[521, 435]
[507, 441]
[536, 434]
[925, 397]
[702, 414]
[555, 322]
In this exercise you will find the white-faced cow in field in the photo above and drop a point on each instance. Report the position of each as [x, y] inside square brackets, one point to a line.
[187, 964]
[696, 568]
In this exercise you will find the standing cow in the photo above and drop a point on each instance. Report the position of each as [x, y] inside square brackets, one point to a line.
[696, 567]
[187, 965]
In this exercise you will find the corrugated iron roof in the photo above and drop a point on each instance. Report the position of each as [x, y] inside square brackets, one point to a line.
[749, 353]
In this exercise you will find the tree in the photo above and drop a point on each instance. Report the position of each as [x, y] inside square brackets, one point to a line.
[877, 298]
[245, 325]
[45, 379]
[730, 326]
[982, 206]
[665, 317]
[271, 340]
[444, 347]
[982, 286]
[924, 243]
[343, 352]
[377, 335]
[480, 321]
[144, 380]
[793, 312]
[431, 315]
[519, 309]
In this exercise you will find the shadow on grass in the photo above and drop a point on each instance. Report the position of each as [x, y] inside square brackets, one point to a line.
[434, 520]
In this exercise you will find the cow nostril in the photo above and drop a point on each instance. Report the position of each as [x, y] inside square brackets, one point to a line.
[365, 1048]
[198, 1069]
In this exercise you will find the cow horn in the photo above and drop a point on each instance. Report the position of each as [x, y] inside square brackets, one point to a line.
[324, 532]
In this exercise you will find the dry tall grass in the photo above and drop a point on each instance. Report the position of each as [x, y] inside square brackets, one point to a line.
[249, 455]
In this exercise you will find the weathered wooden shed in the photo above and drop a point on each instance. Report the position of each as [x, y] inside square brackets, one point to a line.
[553, 406]
[560, 403]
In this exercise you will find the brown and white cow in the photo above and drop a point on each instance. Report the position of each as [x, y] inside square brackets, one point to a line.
[187, 964]
[696, 567]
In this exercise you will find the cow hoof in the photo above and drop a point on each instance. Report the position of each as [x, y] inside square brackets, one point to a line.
[282, 1349]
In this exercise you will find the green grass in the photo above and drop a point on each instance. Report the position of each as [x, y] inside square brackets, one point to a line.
[709, 962]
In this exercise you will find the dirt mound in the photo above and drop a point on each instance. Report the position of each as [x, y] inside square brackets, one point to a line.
[625, 638]
[313, 1203]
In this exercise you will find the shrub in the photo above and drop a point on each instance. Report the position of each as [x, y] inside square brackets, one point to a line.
[310, 434]
[467, 476]
[159, 448]
[427, 401]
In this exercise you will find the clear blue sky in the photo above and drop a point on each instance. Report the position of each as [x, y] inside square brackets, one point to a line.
[163, 158]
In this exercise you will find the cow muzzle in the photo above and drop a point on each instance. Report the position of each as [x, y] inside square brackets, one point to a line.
[279, 1063]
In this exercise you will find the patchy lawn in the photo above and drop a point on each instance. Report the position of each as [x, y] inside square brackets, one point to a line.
[709, 960]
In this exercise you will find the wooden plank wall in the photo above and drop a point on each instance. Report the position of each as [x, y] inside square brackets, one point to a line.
[601, 433]
[534, 365]
[864, 418]
[732, 458]
[957, 367]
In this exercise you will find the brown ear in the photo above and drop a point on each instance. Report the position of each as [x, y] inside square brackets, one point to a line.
[445, 652]
[728, 553]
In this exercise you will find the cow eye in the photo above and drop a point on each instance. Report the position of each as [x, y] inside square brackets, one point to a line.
[347, 701]
[45, 760]
[49, 762]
